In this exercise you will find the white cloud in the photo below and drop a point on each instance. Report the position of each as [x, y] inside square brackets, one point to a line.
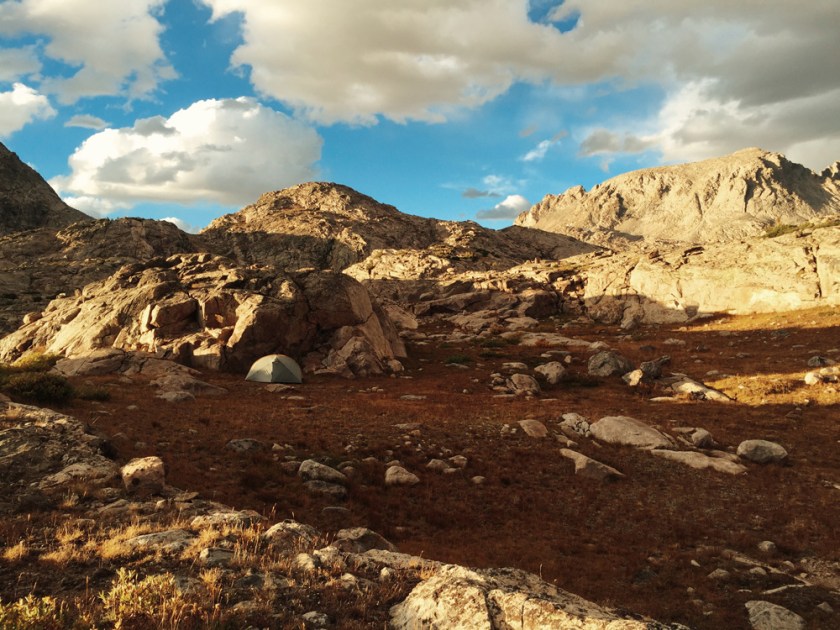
[86, 121]
[735, 74]
[509, 208]
[417, 59]
[116, 44]
[223, 151]
[16, 63]
[21, 106]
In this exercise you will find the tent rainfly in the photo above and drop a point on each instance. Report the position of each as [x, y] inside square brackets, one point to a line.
[275, 368]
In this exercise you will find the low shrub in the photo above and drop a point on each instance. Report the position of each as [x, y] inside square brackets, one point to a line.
[41, 387]
[458, 359]
[43, 613]
[91, 392]
[36, 362]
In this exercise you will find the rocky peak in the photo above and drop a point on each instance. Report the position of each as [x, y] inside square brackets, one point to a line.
[719, 199]
[27, 201]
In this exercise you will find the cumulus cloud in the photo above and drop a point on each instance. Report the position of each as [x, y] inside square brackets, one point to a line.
[408, 60]
[223, 151]
[114, 45]
[508, 209]
[16, 63]
[734, 74]
[86, 121]
[21, 106]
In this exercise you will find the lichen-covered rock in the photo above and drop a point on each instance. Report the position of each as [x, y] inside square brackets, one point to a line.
[762, 451]
[144, 476]
[628, 432]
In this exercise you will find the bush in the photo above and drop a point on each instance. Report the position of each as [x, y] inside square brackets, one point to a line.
[458, 359]
[30, 612]
[39, 387]
[36, 362]
[89, 392]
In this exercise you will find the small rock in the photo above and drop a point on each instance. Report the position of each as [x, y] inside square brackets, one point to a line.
[761, 451]
[769, 616]
[332, 490]
[702, 438]
[215, 557]
[523, 385]
[310, 470]
[360, 540]
[533, 428]
[459, 461]
[718, 574]
[399, 476]
[314, 619]
[551, 372]
[607, 363]
[144, 476]
[438, 465]
[478, 480]
[590, 468]
[767, 546]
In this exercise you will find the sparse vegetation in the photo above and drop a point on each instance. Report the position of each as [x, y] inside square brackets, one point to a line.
[458, 359]
[780, 229]
[39, 387]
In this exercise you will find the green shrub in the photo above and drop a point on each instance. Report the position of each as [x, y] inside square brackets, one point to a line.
[34, 613]
[39, 387]
[36, 362]
[459, 359]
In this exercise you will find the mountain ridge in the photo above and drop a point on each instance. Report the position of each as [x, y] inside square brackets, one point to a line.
[719, 199]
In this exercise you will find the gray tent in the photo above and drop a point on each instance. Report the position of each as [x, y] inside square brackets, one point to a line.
[275, 368]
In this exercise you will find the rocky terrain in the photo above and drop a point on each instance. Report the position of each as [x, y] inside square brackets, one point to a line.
[648, 424]
[27, 201]
[722, 199]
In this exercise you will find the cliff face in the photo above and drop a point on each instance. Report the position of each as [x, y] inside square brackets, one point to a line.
[721, 199]
[27, 201]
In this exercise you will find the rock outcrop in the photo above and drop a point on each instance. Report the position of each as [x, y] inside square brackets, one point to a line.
[793, 271]
[720, 199]
[27, 201]
[329, 226]
[204, 311]
[38, 265]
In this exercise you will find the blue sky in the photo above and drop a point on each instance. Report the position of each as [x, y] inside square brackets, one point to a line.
[456, 109]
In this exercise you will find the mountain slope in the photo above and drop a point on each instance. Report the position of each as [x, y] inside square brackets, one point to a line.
[27, 201]
[330, 226]
[720, 199]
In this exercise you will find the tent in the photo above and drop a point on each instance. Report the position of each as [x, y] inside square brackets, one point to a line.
[275, 368]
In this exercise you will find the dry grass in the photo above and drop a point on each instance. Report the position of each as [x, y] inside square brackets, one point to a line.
[629, 542]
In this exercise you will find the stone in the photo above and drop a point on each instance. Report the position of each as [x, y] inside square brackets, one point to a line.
[171, 541]
[551, 372]
[399, 476]
[575, 423]
[459, 461]
[702, 438]
[607, 363]
[590, 468]
[533, 428]
[334, 491]
[819, 361]
[291, 534]
[628, 431]
[438, 465]
[244, 445]
[360, 540]
[768, 616]
[761, 451]
[767, 546]
[315, 619]
[312, 470]
[701, 461]
[144, 476]
[215, 557]
[227, 518]
[455, 597]
[523, 385]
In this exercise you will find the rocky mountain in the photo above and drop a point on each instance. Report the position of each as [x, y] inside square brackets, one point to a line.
[329, 226]
[27, 201]
[720, 199]
[41, 264]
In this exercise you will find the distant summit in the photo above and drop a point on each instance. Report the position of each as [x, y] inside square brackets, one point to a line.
[27, 201]
[720, 199]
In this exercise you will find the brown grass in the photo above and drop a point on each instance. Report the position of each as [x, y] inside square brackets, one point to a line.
[630, 542]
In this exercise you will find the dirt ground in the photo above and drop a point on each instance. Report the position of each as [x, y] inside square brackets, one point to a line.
[645, 543]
